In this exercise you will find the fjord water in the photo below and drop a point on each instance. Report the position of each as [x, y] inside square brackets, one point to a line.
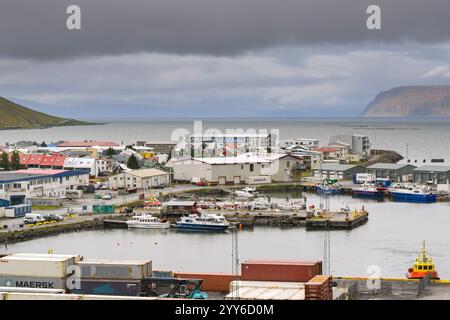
[426, 139]
[391, 239]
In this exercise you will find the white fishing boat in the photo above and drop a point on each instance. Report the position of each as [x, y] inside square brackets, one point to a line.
[247, 192]
[147, 222]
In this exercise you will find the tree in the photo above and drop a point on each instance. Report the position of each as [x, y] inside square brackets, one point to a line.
[132, 162]
[43, 144]
[110, 152]
[4, 161]
[15, 161]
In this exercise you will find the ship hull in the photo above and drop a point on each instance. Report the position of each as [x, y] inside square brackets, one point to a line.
[408, 197]
[200, 227]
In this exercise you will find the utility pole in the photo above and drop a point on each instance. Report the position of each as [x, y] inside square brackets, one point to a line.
[235, 261]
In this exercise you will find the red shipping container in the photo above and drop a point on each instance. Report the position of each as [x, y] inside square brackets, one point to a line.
[289, 271]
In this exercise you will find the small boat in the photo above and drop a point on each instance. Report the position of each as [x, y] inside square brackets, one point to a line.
[368, 190]
[147, 221]
[247, 192]
[421, 194]
[329, 187]
[422, 266]
[204, 222]
[260, 204]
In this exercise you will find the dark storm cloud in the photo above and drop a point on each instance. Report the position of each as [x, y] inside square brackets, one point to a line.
[36, 29]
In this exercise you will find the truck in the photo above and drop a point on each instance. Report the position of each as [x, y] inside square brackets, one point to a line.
[361, 178]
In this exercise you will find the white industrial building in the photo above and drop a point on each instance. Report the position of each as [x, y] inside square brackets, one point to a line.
[17, 186]
[140, 179]
[246, 168]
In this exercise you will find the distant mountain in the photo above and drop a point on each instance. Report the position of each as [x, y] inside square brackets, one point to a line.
[15, 116]
[414, 101]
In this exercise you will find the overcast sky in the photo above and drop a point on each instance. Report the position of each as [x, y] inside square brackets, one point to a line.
[218, 57]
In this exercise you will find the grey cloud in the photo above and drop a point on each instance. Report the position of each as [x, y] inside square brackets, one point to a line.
[36, 29]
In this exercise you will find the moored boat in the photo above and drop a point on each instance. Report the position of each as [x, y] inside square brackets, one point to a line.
[368, 190]
[422, 266]
[329, 187]
[147, 222]
[413, 194]
[204, 222]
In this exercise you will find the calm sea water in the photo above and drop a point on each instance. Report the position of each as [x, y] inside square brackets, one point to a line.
[426, 138]
[391, 239]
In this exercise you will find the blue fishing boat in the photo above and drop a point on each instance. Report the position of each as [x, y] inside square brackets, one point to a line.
[329, 187]
[413, 194]
[204, 222]
[368, 190]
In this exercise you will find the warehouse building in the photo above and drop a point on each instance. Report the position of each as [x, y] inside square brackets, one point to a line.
[338, 171]
[139, 179]
[248, 168]
[439, 175]
[17, 186]
[396, 172]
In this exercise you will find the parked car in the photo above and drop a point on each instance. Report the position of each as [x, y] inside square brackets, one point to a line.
[107, 197]
[201, 184]
[161, 186]
[33, 218]
[53, 217]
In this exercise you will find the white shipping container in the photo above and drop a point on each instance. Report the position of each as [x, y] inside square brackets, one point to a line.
[105, 269]
[2, 212]
[53, 296]
[45, 267]
[10, 213]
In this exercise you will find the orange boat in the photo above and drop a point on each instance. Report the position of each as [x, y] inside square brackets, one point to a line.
[422, 266]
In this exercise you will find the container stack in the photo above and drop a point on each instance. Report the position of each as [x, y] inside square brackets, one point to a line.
[40, 271]
[319, 288]
[123, 278]
[289, 271]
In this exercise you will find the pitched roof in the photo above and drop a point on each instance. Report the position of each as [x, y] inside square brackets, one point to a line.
[142, 173]
[433, 168]
[389, 166]
[337, 166]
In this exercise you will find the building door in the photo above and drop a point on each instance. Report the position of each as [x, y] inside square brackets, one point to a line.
[222, 180]
[237, 179]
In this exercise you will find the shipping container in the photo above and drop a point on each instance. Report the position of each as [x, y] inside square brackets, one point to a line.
[52, 296]
[31, 290]
[296, 271]
[105, 269]
[264, 290]
[2, 212]
[33, 282]
[45, 266]
[109, 287]
[18, 211]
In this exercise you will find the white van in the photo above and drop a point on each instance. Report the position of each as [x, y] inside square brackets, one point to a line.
[33, 218]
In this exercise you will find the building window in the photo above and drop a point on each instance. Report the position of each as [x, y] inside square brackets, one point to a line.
[251, 167]
[288, 164]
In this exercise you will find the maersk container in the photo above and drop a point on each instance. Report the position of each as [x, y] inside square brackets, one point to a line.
[33, 282]
[293, 271]
[98, 269]
[45, 266]
[109, 287]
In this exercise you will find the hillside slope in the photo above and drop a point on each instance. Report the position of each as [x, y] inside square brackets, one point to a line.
[15, 116]
[427, 101]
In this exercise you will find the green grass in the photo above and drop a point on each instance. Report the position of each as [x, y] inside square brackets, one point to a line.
[15, 116]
